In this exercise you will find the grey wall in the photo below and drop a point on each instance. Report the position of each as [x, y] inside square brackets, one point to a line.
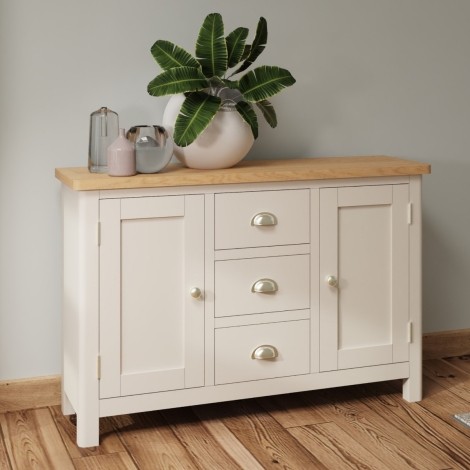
[373, 77]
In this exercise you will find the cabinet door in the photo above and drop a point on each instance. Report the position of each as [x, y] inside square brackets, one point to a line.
[364, 248]
[151, 328]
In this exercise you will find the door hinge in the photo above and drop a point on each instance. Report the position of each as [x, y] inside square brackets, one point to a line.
[98, 367]
[98, 234]
[410, 213]
[410, 332]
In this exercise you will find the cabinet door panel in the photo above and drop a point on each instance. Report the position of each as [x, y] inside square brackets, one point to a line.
[364, 244]
[151, 330]
[364, 269]
[152, 316]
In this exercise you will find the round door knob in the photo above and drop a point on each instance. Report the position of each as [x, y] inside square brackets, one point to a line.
[195, 292]
[332, 281]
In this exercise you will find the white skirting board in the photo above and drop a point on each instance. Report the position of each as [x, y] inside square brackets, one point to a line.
[463, 418]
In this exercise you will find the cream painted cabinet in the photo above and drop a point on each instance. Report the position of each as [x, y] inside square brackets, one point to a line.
[192, 287]
[151, 327]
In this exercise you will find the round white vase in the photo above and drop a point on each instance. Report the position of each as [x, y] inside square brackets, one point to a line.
[224, 142]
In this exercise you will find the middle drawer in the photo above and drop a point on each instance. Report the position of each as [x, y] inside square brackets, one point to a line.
[258, 285]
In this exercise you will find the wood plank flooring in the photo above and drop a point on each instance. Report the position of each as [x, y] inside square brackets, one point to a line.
[360, 427]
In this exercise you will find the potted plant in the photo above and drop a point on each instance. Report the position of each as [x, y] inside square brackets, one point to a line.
[209, 87]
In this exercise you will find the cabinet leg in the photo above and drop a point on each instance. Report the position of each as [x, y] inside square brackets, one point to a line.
[88, 430]
[413, 388]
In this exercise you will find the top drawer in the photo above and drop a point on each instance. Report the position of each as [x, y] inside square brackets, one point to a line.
[283, 218]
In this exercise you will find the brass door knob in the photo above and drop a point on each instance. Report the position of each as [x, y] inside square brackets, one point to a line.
[195, 292]
[332, 281]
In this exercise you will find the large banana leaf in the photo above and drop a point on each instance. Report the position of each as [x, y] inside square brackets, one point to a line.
[169, 56]
[249, 116]
[177, 80]
[246, 52]
[211, 49]
[268, 112]
[236, 45]
[259, 43]
[264, 82]
[195, 115]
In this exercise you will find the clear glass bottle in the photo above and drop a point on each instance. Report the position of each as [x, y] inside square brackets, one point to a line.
[104, 129]
[121, 156]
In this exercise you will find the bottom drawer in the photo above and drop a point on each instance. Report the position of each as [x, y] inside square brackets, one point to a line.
[236, 349]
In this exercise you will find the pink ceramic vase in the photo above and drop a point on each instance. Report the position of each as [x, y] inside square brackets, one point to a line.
[121, 156]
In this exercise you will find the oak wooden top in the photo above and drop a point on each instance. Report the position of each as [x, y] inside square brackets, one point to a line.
[248, 171]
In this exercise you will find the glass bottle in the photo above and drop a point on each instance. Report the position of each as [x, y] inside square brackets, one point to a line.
[104, 129]
[153, 148]
[121, 156]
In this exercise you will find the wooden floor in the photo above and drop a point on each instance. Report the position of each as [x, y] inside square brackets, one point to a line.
[360, 427]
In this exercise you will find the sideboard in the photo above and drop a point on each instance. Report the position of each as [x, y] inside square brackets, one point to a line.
[276, 276]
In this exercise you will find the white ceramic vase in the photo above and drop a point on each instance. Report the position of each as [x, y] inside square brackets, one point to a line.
[223, 144]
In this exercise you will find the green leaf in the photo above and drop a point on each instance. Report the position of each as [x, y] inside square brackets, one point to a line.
[246, 52]
[169, 56]
[195, 115]
[236, 45]
[259, 43]
[268, 112]
[177, 80]
[249, 116]
[211, 49]
[264, 82]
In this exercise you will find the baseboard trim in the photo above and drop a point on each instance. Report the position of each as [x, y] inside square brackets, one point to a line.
[446, 344]
[29, 393]
[38, 392]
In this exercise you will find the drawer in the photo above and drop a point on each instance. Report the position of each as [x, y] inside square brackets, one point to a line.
[284, 282]
[287, 222]
[235, 348]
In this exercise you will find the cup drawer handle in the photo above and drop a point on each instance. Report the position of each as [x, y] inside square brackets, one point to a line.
[264, 219]
[264, 286]
[265, 352]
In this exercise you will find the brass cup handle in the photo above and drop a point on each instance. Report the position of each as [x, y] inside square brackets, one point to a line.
[264, 286]
[264, 219]
[265, 352]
